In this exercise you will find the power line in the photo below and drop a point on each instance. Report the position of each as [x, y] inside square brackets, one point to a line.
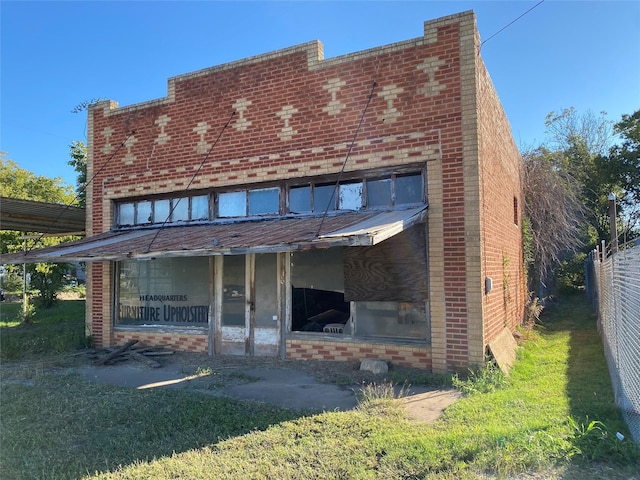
[190, 182]
[344, 164]
[510, 23]
[84, 188]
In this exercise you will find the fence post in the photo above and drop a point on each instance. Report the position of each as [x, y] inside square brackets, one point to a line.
[612, 223]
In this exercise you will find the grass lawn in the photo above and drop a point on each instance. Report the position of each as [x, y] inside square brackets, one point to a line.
[554, 414]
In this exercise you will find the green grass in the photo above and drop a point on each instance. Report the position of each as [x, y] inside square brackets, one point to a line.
[51, 330]
[555, 411]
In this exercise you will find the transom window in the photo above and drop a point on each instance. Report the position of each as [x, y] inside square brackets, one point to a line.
[169, 210]
[312, 197]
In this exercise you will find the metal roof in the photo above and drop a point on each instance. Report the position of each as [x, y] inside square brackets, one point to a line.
[42, 217]
[231, 238]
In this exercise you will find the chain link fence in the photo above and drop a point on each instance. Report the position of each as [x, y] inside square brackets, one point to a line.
[613, 284]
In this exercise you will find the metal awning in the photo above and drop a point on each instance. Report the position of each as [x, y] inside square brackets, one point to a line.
[33, 216]
[231, 238]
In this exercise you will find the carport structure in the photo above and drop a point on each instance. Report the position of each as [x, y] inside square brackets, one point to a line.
[42, 217]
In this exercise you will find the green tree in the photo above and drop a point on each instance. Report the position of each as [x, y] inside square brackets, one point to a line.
[79, 163]
[580, 142]
[568, 181]
[16, 182]
[554, 217]
[623, 166]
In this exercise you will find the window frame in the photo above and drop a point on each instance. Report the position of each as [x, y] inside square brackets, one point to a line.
[283, 191]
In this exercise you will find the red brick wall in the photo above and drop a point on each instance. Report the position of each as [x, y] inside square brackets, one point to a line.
[180, 342]
[296, 115]
[403, 355]
[502, 260]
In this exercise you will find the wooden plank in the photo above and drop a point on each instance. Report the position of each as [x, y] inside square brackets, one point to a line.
[116, 352]
[503, 348]
[143, 359]
[394, 270]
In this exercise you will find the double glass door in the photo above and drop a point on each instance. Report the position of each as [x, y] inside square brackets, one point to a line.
[248, 305]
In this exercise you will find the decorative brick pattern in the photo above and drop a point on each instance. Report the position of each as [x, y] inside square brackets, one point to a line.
[295, 117]
[401, 355]
[180, 342]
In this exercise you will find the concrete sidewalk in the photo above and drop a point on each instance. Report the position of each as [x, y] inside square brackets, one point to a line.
[277, 386]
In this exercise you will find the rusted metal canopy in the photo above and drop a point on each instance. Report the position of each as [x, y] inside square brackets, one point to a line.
[231, 238]
[41, 217]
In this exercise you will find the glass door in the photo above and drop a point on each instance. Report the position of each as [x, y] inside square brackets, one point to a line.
[247, 305]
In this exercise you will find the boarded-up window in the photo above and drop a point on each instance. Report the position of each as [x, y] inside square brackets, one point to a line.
[394, 270]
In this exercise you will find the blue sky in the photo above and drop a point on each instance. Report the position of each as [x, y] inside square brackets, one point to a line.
[57, 55]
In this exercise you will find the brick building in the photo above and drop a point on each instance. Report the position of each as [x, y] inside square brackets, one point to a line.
[367, 205]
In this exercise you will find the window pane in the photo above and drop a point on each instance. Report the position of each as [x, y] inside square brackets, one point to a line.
[126, 212]
[166, 291]
[379, 193]
[409, 189]
[200, 207]
[180, 209]
[233, 297]
[350, 196]
[232, 204]
[391, 320]
[317, 290]
[161, 210]
[300, 199]
[143, 213]
[266, 301]
[322, 195]
[264, 201]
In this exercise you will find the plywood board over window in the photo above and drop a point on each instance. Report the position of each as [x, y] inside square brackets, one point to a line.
[394, 270]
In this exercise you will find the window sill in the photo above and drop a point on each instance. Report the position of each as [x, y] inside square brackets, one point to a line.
[162, 329]
[346, 338]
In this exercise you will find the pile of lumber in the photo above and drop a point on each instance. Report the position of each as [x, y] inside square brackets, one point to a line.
[111, 356]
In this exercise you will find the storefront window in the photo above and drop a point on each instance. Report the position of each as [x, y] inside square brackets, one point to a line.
[391, 320]
[164, 292]
[317, 290]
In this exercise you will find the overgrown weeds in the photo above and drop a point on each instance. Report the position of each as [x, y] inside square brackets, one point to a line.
[54, 330]
[484, 379]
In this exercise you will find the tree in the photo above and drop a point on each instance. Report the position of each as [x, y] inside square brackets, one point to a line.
[567, 183]
[581, 142]
[79, 163]
[623, 165]
[16, 182]
[554, 216]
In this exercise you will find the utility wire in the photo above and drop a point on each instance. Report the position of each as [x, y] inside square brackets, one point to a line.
[206, 157]
[344, 164]
[509, 24]
[83, 189]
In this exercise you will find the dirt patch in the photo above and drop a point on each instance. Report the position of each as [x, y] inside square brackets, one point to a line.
[341, 373]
